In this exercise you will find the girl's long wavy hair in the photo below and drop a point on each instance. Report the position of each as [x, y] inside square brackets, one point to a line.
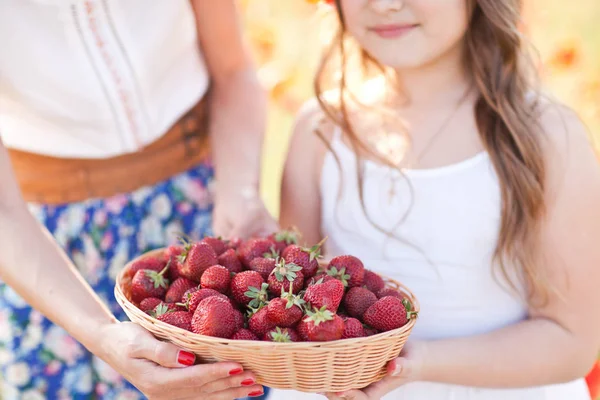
[506, 117]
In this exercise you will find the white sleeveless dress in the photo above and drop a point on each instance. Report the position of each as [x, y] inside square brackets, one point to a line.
[449, 230]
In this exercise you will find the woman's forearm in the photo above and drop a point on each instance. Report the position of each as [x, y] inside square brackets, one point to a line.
[530, 353]
[39, 271]
[238, 113]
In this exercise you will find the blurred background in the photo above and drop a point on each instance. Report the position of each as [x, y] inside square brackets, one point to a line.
[286, 36]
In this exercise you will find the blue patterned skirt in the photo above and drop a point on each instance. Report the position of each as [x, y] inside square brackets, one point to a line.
[39, 360]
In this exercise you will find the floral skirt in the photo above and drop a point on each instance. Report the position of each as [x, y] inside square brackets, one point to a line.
[39, 360]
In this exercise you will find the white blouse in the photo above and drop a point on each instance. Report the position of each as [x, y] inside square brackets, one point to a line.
[95, 78]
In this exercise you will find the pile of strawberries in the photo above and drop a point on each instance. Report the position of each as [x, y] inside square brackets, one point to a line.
[265, 289]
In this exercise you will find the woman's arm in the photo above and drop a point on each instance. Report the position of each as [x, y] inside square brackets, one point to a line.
[300, 188]
[40, 272]
[237, 117]
[560, 341]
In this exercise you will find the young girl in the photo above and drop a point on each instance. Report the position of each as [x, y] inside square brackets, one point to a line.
[445, 169]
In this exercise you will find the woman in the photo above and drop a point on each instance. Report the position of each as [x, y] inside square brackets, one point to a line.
[103, 113]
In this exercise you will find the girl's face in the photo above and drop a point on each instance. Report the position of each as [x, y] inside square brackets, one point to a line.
[405, 34]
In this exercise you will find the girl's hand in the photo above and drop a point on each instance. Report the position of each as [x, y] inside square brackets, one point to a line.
[402, 370]
[240, 212]
[162, 371]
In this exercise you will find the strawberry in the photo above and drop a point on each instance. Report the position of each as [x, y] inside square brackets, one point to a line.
[244, 334]
[239, 319]
[370, 331]
[234, 243]
[149, 304]
[178, 289]
[322, 277]
[307, 258]
[196, 258]
[259, 323]
[149, 263]
[149, 283]
[188, 294]
[172, 254]
[195, 298]
[328, 295]
[357, 300]
[216, 277]
[263, 266]
[321, 325]
[390, 292]
[349, 269]
[279, 335]
[353, 329]
[252, 249]
[285, 275]
[218, 244]
[285, 311]
[180, 319]
[388, 313]
[230, 260]
[259, 297]
[241, 283]
[283, 239]
[214, 317]
[372, 281]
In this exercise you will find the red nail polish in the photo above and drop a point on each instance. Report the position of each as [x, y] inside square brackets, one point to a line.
[236, 371]
[256, 393]
[186, 358]
[247, 382]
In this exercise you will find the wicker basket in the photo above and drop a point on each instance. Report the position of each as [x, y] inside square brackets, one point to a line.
[305, 366]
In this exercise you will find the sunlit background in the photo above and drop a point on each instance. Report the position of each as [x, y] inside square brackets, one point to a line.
[285, 36]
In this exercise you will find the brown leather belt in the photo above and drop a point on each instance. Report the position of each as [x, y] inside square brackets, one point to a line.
[52, 180]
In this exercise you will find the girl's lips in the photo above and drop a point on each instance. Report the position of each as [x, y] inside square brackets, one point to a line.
[392, 31]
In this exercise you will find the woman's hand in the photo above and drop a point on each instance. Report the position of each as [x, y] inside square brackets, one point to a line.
[402, 370]
[162, 371]
[240, 212]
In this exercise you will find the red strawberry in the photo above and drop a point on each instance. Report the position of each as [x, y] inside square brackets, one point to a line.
[319, 277]
[357, 300]
[178, 289]
[214, 317]
[279, 335]
[285, 275]
[252, 249]
[370, 331]
[259, 322]
[149, 304]
[216, 277]
[241, 283]
[199, 295]
[353, 329]
[230, 260]
[328, 294]
[321, 326]
[234, 243]
[150, 263]
[263, 266]
[197, 258]
[285, 312]
[172, 254]
[180, 319]
[218, 244]
[283, 239]
[372, 281]
[349, 269]
[307, 258]
[388, 313]
[244, 334]
[149, 283]
[239, 319]
[390, 292]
